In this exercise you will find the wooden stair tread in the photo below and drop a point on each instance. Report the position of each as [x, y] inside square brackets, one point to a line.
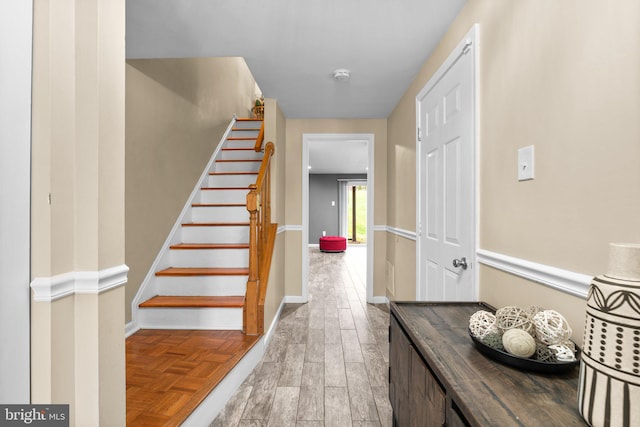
[248, 119]
[241, 138]
[160, 301]
[233, 173]
[224, 188]
[215, 224]
[203, 271]
[246, 129]
[239, 160]
[238, 149]
[210, 246]
[222, 205]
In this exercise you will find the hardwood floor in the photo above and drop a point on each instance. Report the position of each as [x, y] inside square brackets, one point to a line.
[169, 372]
[327, 362]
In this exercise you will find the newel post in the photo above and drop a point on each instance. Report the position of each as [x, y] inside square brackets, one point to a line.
[250, 312]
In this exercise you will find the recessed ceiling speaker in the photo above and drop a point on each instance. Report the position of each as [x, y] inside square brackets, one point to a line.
[341, 75]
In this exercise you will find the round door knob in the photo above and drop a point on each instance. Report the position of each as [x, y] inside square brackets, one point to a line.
[462, 262]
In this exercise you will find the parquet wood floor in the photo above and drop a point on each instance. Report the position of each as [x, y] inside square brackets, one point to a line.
[169, 372]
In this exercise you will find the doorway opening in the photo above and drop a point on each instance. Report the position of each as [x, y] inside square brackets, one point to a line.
[326, 143]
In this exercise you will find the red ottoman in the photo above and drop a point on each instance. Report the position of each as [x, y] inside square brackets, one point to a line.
[333, 244]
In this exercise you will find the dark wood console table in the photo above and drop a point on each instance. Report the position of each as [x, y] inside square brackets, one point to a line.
[437, 377]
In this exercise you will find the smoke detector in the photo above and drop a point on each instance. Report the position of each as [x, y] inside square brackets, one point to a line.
[341, 75]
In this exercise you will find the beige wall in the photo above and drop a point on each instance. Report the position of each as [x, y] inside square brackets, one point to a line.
[561, 76]
[275, 128]
[177, 111]
[293, 203]
[77, 207]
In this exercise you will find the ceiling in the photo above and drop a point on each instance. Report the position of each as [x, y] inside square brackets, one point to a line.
[292, 47]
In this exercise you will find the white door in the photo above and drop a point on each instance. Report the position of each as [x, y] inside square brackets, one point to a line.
[446, 218]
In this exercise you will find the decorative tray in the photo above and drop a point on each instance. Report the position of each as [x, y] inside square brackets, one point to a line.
[523, 363]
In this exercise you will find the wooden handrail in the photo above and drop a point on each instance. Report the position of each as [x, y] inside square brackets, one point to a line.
[260, 139]
[261, 244]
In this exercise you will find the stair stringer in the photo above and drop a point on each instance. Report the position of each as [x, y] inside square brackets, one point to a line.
[148, 288]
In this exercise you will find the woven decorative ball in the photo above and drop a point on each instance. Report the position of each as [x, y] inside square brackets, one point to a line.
[570, 344]
[551, 327]
[543, 354]
[563, 352]
[512, 317]
[519, 343]
[493, 340]
[532, 310]
[482, 323]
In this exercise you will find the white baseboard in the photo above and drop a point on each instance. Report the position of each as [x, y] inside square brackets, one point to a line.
[274, 324]
[295, 299]
[380, 300]
[209, 409]
[130, 329]
[576, 284]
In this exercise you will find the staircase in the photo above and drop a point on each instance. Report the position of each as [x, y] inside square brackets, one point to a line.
[201, 280]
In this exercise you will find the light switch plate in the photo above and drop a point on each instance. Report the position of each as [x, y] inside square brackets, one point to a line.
[526, 163]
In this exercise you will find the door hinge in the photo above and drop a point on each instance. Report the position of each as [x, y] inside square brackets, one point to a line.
[419, 134]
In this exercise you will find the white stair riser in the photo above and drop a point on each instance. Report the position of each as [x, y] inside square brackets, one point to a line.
[220, 214]
[236, 167]
[244, 133]
[231, 180]
[226, 234]
[201, 285]
[209, 258]
[240, 155]
[248, 124]
[224, 196]
[240, 143]
[191, 318]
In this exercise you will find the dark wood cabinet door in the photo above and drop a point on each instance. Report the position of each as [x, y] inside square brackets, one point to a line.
[454, 419]
[427, 397]
[400, 364]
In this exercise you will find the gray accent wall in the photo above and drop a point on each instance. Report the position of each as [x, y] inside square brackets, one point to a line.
[323, 189]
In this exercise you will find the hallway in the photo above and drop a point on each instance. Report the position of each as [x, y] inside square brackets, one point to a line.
[327, 362]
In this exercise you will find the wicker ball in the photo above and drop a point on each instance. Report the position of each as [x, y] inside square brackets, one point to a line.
[543, 354]
[493, 340]
[570, 344]
[551, 327]
[519, 343]
[564, 352]
[512, 317]
[532, 310]
[482, 323]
